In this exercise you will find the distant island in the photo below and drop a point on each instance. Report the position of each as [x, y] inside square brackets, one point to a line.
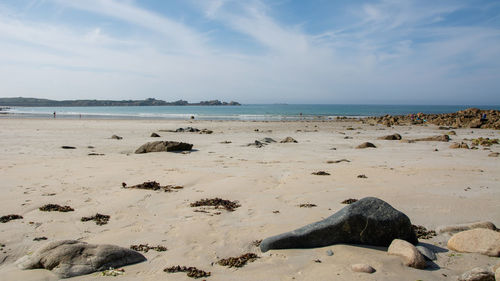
[33, 102]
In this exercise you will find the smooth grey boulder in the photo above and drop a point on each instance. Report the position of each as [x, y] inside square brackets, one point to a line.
[68, 258]
[159, 146]
[427, 253]
[369, 221]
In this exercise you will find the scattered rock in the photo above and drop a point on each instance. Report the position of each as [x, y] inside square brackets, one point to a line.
[39, 238]
[321, 173]
[407, 141]
[484, 141]
[217, 202]
[459, 145]
[362, 177]
[288, 140]
[115, 137]
[366, 145]
[189, 130]
[479, 240]
[113, 272]
[444, 138]
[99, 219]
[226, 142]
[153, 185]
[68, 258]
[426, 252]
[362, 267]
[307, 205]
[238, 261]
[477, 274]
[349, 201]
[159, 146]
[337, 161]
[95, 154]
[68, 147]
[8, 218]
[191, 271]
[145, 248]
[464, 227]
[390, 137]
[452, 133]
[422, 232]
[411, 256]
[256, 243]
[329, 253]
[155, 135]
[494, 154]
[369, 221]
[55, 207]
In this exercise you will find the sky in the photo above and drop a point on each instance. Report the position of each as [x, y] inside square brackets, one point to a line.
[252, 51]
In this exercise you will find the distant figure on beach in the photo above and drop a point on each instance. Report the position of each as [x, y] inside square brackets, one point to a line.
[483, 118]
[54, 114]
[80, 116]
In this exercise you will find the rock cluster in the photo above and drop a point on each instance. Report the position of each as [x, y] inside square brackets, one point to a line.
[468, 118]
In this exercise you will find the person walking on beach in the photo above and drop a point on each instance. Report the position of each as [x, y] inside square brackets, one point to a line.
[54, 114]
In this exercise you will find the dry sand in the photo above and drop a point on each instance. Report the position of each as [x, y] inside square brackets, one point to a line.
[431, 187]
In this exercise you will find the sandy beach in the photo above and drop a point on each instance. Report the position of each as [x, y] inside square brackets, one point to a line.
[431, 183]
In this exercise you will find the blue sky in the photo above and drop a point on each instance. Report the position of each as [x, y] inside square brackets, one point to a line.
[317, 51]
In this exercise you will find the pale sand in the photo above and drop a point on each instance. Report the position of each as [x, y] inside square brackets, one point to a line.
[426, 185]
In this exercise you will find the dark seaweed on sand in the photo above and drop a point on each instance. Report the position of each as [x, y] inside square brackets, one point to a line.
[153, 185]
[8, 218]
[422, 232]
[217, 202]
[55, 207]
[99, 219]
[191, 271]
[145, 248]
[349, 201]
[238, 261]
[321, 173]
[307, 205]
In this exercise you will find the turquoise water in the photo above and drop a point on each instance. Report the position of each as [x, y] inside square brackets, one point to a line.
[243, 112]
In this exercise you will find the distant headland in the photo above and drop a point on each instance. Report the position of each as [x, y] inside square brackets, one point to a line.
[20, 101]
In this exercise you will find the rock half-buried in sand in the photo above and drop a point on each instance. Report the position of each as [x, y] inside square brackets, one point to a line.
[390, 137]
[369, 221]
[68, 258]
[159, 146]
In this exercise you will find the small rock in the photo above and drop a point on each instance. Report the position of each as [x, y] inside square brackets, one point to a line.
[366, 145]
[329, 253]
[159, 146]
[390, 137]
[477, 274]
[452, 133]
[362, 176]
[288, 140]
[68, 147]
[321, 173]
[468, 226]
[426, 252]
[362, 267]
[155, 135]
[444, 138]
[494, 154]
[479, 240]
[115, 137]
[411, 256]
[459, 145]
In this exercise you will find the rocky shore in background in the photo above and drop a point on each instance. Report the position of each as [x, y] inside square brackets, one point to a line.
[468, 118]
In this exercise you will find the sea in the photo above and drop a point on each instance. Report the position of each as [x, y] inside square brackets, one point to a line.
[247, 112]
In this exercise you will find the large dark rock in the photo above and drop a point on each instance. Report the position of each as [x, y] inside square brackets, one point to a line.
[369, 221]
[68, 258]
[159, 146]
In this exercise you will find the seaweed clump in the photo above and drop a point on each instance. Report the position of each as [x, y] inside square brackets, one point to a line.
[55, 208]
[99, 219]
[349, 201]
[153, 185]
[238, 261]
[191, 271]
[217, 202]
[145, 248]
[321, 173]
[307, 205]
[422, 232]
[8, 218]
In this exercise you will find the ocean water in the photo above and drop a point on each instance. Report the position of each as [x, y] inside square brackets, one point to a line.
[270, 112]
